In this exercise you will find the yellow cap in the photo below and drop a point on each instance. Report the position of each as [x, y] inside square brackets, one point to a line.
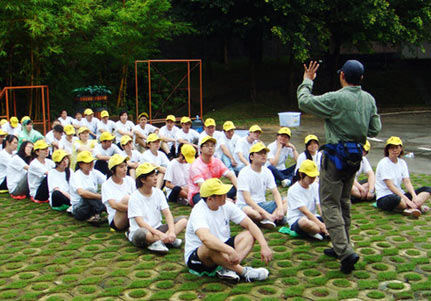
[258, 147]
[255, 128]
[3, 121]
[185, 119]
[125, 139]
[171, 118]
[40, 144]
[228, 125]
[25, 118]
[13, 122]
[116, 159]
[208, 138]
[394, 140]
[69, 129]
[309, 167]
[83, 129]
[143, 114]
[308, 138]
[152, 137]
[284, 131]
[59, 155]
[85, 156]
[210, 122]
[106, 136]
[367, 146]
[145, 168]
[88, 112]
[2, 133]
[214, 187]
[104, 113]
[189, 152]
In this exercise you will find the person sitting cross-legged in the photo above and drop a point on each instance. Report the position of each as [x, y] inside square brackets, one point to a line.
[364, 190]
[210, 249]
[104, 151]
[154, 156]
[253, 181]
[145, 207]
[303, 200]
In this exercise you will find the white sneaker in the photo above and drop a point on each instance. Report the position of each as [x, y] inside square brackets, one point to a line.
[251, 274]
[228, 275]
[177, 243]
[425, 209]
[318, 236]
[412, 212]
[267, 224]
[69, 210]
[286, 182]
[159, 247]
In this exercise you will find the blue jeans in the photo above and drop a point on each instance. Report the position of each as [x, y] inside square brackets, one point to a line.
[226, 161]
[281, 175]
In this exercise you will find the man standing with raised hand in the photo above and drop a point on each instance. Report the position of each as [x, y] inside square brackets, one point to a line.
[350, 116]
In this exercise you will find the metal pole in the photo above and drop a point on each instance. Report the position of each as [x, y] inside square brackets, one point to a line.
[7, 104]
[47, 105]
[188, 86]
[136, 89]
[43, 112]
[149, 90]
[200, 86]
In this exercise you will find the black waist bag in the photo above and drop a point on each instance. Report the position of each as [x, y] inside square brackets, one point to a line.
[346, 156]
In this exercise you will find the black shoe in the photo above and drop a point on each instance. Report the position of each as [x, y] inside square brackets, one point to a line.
[348, 263]
[330, 252]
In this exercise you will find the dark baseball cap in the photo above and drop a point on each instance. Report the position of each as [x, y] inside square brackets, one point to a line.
[352, 69]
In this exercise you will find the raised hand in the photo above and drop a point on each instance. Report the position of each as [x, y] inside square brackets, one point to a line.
[310, 71]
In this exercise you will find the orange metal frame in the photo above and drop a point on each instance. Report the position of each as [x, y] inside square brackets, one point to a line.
[45, 104]
[196, 62]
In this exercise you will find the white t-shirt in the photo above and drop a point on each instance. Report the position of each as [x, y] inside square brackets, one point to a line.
[50, 138]
[136, 156]
[190, 136]
[285, 153]
[298, 196]
[5, 158]
[68, 120]
[216, 221]
[388, 170]
[164, 132]
[66, 145]
[10, 130]
[149, 208]
[114, 191]
[78, 123]
[110, 151]
[160, 160]
[36, 174]
[124, 127]
[92, 125]
[242, 147]
[255, 183]
[177, 173]
[218, 136]
[364, 168]
[88, 182]
[109, 127]
[148, 129]
[58, 180]
[15, 172]
[302, 157]
[229, 143]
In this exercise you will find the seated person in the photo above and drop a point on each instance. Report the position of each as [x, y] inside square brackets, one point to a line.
[177, 174]
[364, 190]
[210, 249]
[27, 133]
[37, 172]
[228, 143]
[253, 181]
[116, 192]
[168, 134]
[58, 181]
[54, 136]
[86, 201]
[303, 202]
[104, 151]
[68, 139]
[78, 122]
[210, 130]
[17, 182]
[64, 119]
[83, 143]
[105, 125]
[142, 130]
[145, 207]
[154, 156]
[90, 122]
[123, 127]
[279, 151]
[187, 135]
[311, 152]
[9, 145]
[13, 127]
[126, 143]
[205, 167]
[243, 146]
[391, 172]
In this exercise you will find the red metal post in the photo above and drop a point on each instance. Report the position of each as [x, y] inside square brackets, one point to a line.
[149, 90]
[200, 87]
[136, 90]
[47, 105]
[7, 104]
[188, 87]
[43, 111]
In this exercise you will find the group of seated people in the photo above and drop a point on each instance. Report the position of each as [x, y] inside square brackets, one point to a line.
[141, 168]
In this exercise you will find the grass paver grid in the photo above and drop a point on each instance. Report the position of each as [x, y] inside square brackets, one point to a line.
[47, 255]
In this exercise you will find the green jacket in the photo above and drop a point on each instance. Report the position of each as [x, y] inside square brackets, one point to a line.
[32, 136]
[350, 114]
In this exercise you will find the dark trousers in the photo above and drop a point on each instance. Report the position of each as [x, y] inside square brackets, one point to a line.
[58, 199]
[230, 194]
[284, 174]
[174, 195]
[102, 166]
[3, 186]
[87, 208]
[42, 192]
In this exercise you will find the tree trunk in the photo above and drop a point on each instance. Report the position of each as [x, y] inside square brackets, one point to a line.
[121, 90]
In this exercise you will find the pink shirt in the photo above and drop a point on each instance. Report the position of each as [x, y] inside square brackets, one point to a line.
[200, 171]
